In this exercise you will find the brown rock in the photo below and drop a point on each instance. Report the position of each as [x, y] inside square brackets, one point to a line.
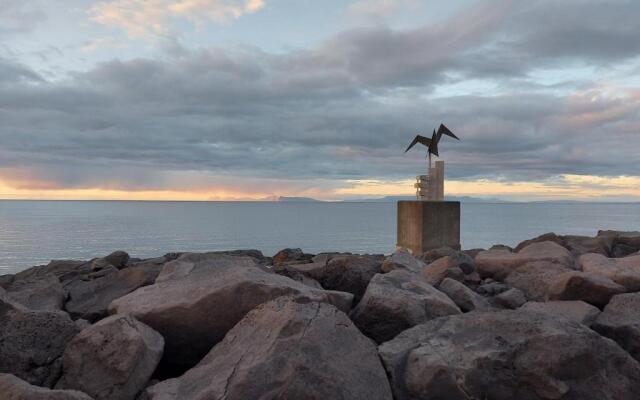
[592, 288]
[397, 301]
[286, 350]
[577, 311]
[454, 266]
[112, 359]
[624, 271]
[512, 298]
[14, 388]
[291, 256]
[534, 278]
[620, 321]
[498, 264]
[402, 259]
[507, 355]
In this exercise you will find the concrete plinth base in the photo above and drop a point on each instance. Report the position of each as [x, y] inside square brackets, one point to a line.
[426, 225]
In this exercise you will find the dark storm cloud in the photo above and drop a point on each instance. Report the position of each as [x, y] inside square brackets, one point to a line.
[343, 109]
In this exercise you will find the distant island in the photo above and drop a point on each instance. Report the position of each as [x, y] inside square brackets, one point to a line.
[390, 199]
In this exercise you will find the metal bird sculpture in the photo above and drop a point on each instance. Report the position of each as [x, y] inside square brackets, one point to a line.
[432, 144]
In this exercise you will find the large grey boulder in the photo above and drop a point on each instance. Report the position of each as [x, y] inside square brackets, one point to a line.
[39, 293]
[351, 273]
[464, 297]
[402, 259]
[14, 388]
[31, 342]
[624, 271]
[63, 269]
[112, 359]
[576, 310]
[508, 355]
[186, 263]
[397, 301]
[285, 349]
[620, 321]
[499, 263]
[89, 299]
[592, 288]
[512, 298]
[624, 243]
[195, 311]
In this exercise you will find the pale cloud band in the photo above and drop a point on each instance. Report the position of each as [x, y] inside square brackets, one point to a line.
[150, 17]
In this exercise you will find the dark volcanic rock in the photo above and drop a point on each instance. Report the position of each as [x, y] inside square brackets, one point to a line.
[457, 265]
[118, 259]
[512, 298]
[535, 277]
[112, 359]
[592, 288]
[194, 311]
[351, 273]
[620, 321]
[576, 310]
[624, 243]
[623, 271]
[6, 280]
[38, 293]
[507, 355]
[285, 350]
[14, 388]
[435, 254]
[577, 245]
[31, 342]
[397, 301]
[402, 259]
[187, 263]
[90, 299]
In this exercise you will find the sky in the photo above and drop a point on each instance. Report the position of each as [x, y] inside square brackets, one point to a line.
[255, 99]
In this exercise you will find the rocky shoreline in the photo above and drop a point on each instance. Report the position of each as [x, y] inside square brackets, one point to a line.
[556, 317]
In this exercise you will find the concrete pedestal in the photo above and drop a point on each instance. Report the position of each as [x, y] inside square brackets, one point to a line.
[426, 225]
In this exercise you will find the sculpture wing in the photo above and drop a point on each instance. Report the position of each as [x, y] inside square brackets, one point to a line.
[419, 139]
[433, 147]
[443, 130]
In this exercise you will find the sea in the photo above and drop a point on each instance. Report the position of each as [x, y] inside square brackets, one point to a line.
[35, 232]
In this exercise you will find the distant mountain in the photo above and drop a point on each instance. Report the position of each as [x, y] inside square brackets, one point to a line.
[462, 199]
[297, 200]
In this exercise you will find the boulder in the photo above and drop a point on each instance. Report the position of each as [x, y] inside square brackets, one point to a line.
[434, 254]
[194, 312]
[188, 262]
[326, 257]
[296, 275]
[464, 297]
[291, 256]
[112, 359]
[624, 243]
[351, 273]
[576, 310]
[620, 321]
[31, 342]
[577, 245]
[489, 287]
[397, 301]
[624, 271]
[512, 298]
[499, 263]
[38, 293]
[14, 388]
[592, 288]
[118, 259]
[534, 278]
[507, 355]
[6, 280]
[402, 259]
[314, 270]
[455, 266]
[90, 299]
[64, 270]
[285, 349]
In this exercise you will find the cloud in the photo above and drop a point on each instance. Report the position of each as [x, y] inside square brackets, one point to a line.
[341, 110]
[150, 17]
[378, 8]
[19, 16]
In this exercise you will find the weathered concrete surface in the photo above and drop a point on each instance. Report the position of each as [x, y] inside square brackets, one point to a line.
[426, 225]
[508, 355]
[112, 359]
[285, 349]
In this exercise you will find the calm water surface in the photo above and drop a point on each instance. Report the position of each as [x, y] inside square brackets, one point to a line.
[34, 232]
